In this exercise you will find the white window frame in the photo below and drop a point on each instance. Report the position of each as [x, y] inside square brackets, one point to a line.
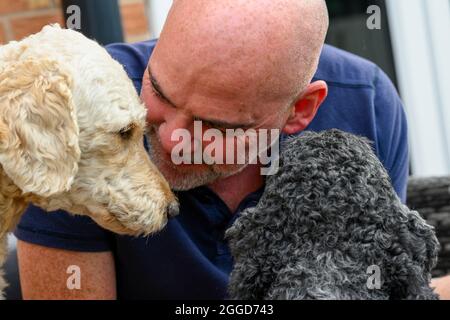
[157, 11]
[420, 31]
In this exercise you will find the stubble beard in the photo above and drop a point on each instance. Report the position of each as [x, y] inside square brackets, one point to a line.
[182, 178]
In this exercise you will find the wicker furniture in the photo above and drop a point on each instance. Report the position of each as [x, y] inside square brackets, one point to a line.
[431, 198]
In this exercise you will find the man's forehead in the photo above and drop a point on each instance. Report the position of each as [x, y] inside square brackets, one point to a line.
[244, 80]
[275, 43]
[227, 110]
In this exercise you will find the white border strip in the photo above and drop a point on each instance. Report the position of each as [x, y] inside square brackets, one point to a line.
[439, 22]
[420, 63]
[157, 11]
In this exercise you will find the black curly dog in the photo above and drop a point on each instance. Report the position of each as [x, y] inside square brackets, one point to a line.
[327, 216]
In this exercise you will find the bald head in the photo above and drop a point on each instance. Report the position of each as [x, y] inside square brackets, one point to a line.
[232, 64]
[272, 44]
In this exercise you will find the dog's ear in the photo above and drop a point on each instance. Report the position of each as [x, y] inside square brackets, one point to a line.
[39, 148]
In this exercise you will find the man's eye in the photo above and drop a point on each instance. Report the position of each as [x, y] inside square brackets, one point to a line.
[157, 94]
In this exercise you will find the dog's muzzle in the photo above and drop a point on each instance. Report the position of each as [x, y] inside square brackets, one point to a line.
[173, 210]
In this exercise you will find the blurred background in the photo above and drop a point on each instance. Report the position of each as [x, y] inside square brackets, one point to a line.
[411, 43]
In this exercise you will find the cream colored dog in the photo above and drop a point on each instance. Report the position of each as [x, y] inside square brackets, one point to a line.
[71, 137]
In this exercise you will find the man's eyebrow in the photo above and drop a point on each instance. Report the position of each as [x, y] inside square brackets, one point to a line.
[157, 88]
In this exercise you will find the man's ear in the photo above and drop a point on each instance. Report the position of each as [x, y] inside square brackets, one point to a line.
[39, 148]
[306, 107]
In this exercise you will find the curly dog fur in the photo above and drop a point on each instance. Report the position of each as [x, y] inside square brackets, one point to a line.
[327, 216]
[71, 137]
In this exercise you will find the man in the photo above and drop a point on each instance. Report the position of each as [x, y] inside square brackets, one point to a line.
[442, 287]
[231, 64]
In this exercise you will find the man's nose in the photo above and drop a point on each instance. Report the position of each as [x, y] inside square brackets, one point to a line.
[171, 130]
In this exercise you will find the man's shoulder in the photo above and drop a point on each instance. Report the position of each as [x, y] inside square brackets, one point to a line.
[133, 57]
[135, 54]
[340, 67]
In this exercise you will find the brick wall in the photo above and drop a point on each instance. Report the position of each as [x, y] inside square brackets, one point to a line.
[19, 18]
[134, 20]
[431, 198]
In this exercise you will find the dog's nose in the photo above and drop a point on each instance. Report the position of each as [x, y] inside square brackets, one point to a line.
[173, 210]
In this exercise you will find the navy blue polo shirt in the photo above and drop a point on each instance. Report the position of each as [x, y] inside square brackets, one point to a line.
[189, 259]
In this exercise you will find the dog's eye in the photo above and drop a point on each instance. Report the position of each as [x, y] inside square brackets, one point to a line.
[127, 132]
